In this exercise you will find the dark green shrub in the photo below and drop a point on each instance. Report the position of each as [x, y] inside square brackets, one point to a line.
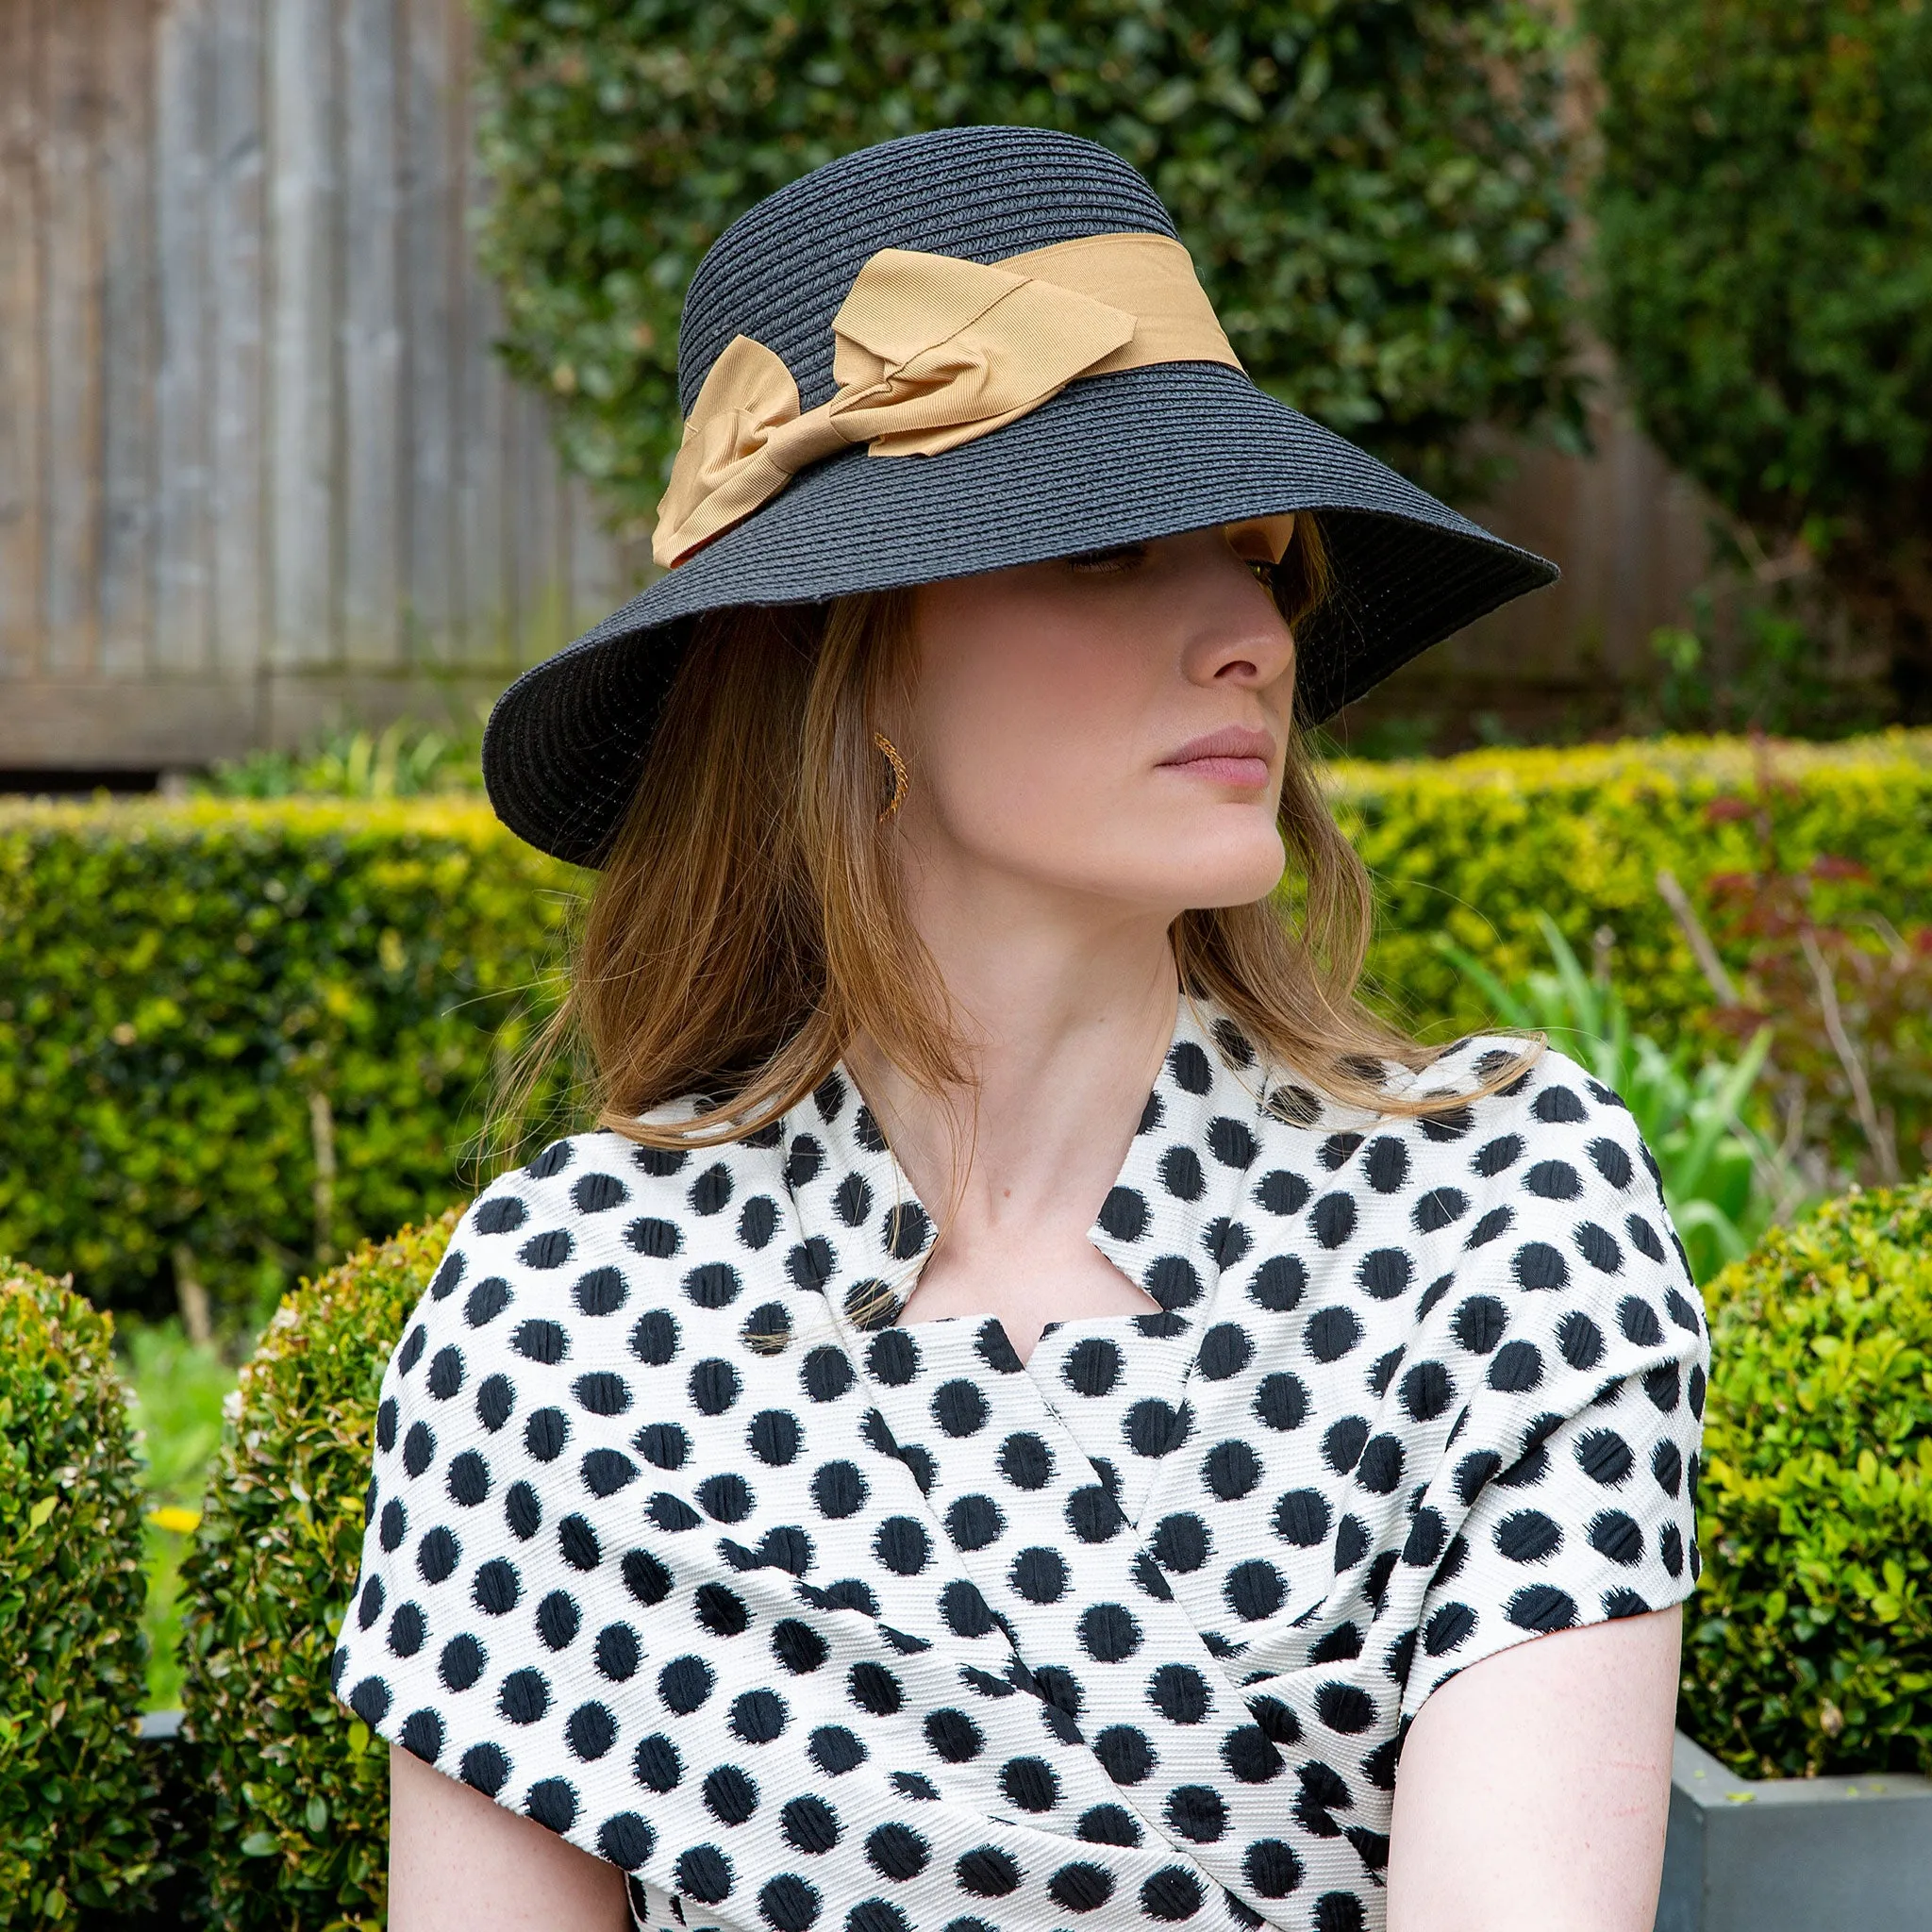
[298, 1828]
[201, 1002]
[74, 1831]
[1811, 1645]
[1372, 189]
[1764, 246]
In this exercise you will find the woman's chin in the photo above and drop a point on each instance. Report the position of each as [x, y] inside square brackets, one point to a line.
[1195, 874]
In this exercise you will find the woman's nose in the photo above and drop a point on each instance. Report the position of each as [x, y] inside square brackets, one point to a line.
[1237, 633]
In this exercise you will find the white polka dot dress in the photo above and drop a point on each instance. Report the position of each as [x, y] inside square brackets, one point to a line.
[810, 1624]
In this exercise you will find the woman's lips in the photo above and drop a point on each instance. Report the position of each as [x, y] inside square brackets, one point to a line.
[1233, 756]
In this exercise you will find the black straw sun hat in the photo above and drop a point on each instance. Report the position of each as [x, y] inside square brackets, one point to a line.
[1112, 450]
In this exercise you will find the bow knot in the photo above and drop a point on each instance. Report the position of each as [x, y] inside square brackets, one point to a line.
[931, 352]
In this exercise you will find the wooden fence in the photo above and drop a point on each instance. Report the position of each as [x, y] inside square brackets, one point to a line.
[260, 467]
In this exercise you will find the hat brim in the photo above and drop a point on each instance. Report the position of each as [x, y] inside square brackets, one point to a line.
[1143, 454]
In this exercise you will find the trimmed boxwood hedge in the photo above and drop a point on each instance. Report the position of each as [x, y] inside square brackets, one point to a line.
[177, 980]
[1478, 846]
[1810, 1645]
[76, 1833]
[296, 1831]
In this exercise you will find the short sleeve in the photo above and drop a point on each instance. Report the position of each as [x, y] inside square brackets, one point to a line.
[1567, 1492]
[503, 1597]
[455, 1497]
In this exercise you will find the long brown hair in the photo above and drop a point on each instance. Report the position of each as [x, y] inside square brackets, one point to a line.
[748, 923]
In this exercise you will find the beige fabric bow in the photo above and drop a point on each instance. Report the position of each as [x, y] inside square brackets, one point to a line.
[931, 352]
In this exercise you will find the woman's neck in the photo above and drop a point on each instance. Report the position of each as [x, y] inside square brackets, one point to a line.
[1067, 1008]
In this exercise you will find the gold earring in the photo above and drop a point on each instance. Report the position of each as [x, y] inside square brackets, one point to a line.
[902, 780]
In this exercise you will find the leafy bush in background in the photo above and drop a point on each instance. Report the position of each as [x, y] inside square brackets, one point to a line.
[298, 1789]
[1809, 1647]
[1725, 1181]
[236, 1037]
[405, 759]
[1371, 191]
[1770, 660]
[75, 1832]
[1845, 993]
[1764, 246]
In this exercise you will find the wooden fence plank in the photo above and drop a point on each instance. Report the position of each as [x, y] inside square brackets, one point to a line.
[532, 533]
[185, 323]
[597, 584]
[431, 209]
[22, 231]
[70, 335]
[480, 479]
[238, 419]
[302, 372]
[370, 338]
[124, 59]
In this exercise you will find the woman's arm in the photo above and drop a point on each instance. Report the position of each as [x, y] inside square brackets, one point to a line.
[1535, 1786]
[458, 1860]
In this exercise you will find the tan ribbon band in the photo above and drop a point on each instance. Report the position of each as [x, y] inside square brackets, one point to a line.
[931, 352]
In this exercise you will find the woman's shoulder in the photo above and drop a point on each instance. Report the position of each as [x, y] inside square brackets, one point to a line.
[599, 1226]
[583, 1188]
[1548, 1172]
[1561, 1132]
[1548, 1088]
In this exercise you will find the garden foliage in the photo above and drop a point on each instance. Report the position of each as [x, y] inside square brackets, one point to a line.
[1764, 248]
[1478, 848]
[178, 1389]
[206, 1005]
[178, 981]
[1845, 1000]
[1372, 192]
[75, 1833]
[405, 759]
[1809, 1645]
[298, 1789]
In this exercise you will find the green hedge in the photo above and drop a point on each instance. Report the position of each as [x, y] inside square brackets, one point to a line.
[179, 980]
[1477, 847]
[296, 1834]
[176, 980]
[75, 1831]
[1811, 1648]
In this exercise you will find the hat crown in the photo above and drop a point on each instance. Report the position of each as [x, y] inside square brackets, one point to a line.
[780, 271]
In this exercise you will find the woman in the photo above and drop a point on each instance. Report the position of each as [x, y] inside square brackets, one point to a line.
[1031, 1407]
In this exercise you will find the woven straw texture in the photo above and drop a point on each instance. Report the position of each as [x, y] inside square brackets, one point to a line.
[1141, 454]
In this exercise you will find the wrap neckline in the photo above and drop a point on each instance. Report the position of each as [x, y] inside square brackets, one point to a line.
[1171, 1222]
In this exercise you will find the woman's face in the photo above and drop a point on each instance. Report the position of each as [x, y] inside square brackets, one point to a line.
[1112, 725]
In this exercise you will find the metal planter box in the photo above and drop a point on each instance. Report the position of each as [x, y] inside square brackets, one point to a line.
[1794, 1854]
